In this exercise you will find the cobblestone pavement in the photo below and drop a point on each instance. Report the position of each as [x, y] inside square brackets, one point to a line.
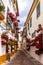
[20, 59]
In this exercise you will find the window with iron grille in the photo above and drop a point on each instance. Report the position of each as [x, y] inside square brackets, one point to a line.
[38, 10]
[33, 34]
[28, 26]
[30, 22]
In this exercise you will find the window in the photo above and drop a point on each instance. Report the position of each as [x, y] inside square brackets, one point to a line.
[38, 10]
[33, 34]
[28, 26]
[30, 22]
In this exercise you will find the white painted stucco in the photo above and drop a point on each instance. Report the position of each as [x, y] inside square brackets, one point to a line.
[35, 22]
[7, 3]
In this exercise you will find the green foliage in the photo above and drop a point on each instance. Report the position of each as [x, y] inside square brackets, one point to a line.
[12, 48]
[2, 7]
[9, 43]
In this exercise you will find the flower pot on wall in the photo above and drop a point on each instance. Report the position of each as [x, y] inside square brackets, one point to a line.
[12, 16]
[4, 39]
[3, 42]
[3, 36]
[12, 30]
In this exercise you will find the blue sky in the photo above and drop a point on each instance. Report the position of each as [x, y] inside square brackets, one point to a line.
[24, 7]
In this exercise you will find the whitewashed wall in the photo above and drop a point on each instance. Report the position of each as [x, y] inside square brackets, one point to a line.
[34, 55]
[2, 48]
[34, 27]
[9, 4]
[35, 20]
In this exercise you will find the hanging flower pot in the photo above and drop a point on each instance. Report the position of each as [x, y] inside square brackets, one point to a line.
[12, 16]
[18, 28]
[3, 36]
[16, 24]
[14, 19]
[18, 20]
[27, 40]
[3, 42]
[12, 30]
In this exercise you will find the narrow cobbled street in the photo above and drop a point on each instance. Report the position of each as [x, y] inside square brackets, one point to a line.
[21, 32]
[20, 59]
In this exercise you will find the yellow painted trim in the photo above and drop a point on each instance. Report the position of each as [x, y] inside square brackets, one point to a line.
[31, 11]
[1, 16]
[16, 4]
[4, 57]
[5, 22]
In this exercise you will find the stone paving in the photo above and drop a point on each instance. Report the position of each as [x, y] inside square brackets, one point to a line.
[21, 59]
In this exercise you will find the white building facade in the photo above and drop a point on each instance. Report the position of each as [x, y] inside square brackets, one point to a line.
[33, 24]
[7, 4]
[34, 18]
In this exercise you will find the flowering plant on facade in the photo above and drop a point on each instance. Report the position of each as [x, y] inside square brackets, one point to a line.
[12, 16]
[4, 39]
[27, 40]
[12, 30]
[16, 24]
[4, 36]
[39, 38]
[10, 43]
[3, 42]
